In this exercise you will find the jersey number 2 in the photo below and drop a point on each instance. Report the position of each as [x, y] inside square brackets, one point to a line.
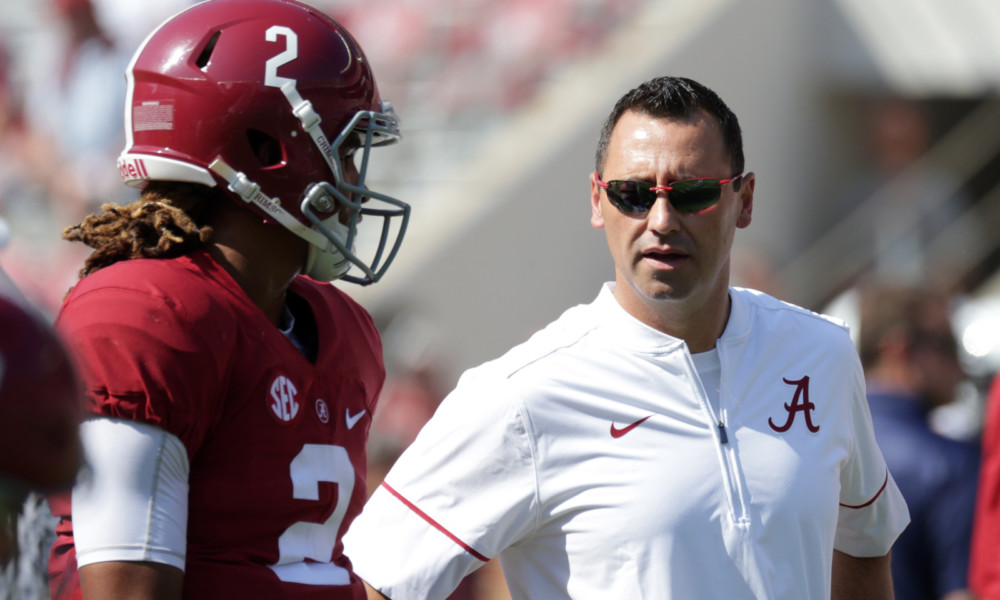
[315, 541]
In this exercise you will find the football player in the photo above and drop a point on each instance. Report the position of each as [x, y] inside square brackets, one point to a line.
[40, 412]
[231, 387]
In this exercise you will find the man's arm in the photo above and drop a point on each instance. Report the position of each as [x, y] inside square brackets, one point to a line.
[131, 581]
[132, 496]
[861, 578]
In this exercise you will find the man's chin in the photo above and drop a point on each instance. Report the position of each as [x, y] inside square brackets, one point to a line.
[660, 291]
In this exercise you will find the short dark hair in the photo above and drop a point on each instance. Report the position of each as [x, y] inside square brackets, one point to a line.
[676, 98]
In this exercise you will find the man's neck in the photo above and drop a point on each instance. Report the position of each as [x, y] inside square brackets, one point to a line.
[262, 258]
[699, 323]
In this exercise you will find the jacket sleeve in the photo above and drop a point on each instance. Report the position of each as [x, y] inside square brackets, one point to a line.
[872, 510]
[461, 493]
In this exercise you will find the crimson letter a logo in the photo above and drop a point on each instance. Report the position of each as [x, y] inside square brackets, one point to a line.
[800, 403]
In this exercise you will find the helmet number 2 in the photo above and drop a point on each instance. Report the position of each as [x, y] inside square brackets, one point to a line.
[315, 541]
[291, 52]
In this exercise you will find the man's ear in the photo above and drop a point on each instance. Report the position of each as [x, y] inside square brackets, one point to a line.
[747, 184]
[596, 214]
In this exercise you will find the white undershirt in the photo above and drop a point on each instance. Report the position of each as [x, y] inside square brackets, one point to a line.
[710, 372]
[130, 501]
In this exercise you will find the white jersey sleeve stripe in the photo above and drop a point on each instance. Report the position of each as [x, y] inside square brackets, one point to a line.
[874, 498]
[434, 523]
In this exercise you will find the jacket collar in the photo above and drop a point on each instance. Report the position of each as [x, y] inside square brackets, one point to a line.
[628, 331]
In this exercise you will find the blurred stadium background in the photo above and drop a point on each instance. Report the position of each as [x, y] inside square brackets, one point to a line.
[873, 127]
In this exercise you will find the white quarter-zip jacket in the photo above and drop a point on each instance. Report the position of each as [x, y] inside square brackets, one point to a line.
[590, 460]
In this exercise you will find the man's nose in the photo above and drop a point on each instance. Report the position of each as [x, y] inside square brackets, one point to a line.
[662, 218]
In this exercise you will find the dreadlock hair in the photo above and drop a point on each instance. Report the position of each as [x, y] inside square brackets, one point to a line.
[168, 220]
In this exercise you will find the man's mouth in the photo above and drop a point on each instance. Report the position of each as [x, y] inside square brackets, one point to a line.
[665, 256]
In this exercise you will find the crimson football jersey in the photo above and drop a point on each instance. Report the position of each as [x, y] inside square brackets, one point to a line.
[276, 443]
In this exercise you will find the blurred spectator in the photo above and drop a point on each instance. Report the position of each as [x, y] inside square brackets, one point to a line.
[26, 168]
[76, 99]
[40, 409]
[909, 354]
[15, 135]
[753, 268]
[58, 142]
[60, 132]
[916, 202]
[412, 389]
[128, 22]
[984, 570]
[432, 49]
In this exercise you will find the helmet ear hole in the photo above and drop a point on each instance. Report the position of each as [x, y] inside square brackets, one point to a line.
[206, 54]
[266, 148]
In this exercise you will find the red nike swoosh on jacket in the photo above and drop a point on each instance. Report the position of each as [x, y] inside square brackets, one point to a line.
[617, 433]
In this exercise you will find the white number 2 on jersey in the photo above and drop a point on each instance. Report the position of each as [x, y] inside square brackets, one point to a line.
[316, 463]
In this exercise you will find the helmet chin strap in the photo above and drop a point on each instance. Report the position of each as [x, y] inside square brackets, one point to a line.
[250, 192]
[332, 260]
[324, 260]
[310, 119]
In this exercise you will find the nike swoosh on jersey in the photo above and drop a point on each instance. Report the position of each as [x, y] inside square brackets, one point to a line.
[352, 420]
[617, 433]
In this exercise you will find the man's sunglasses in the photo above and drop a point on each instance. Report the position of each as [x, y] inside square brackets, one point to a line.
[688, 195]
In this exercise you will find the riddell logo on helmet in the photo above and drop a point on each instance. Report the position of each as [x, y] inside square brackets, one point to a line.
[133, 169]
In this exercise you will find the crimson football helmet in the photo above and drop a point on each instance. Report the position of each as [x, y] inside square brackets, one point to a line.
[270, 99]
[40, 407]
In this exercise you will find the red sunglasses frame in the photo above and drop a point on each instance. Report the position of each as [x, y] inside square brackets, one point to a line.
[668, 187]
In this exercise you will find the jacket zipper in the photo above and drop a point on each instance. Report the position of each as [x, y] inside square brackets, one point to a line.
[730, 467]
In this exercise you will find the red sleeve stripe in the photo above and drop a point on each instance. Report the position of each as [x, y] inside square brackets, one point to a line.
[880, 490]
[436, 525]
